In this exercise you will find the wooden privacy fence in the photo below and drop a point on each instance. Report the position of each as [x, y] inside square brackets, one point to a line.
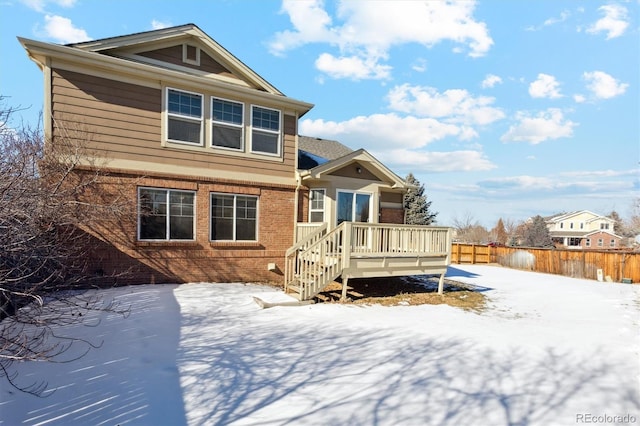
[618, 265]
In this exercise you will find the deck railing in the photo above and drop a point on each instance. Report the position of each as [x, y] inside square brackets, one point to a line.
[319, 258]
[388, 239]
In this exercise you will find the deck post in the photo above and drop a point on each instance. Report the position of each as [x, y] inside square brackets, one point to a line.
[441, 284]
[345, 280]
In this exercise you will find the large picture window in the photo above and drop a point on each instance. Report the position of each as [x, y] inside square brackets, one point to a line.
[165, 214]
[234, 217]
[227, 124]
[316, 205]
[265, 133]
[184, 117]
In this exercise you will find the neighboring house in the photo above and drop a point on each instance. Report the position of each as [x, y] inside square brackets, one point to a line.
[225, 188]
[583, 229]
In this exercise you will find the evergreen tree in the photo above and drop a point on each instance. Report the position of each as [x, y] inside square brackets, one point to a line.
[417, 208]
[499, 233]
[537, 234]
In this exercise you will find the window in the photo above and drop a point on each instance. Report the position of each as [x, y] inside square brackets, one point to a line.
[165, 214]
[561, 225]
[184, 121]
[265, 133]
[571, 225]
[604, 226]
[600, 242]
[612, 243]
[588, 242]
[234, 217]
[227, 124]
[581, 225]
[573, 242]
[316, 205]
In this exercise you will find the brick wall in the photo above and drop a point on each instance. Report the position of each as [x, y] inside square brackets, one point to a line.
[391, 215]
[115, 250]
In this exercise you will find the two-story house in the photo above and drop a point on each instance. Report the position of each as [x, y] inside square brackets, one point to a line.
[583, 230]
[225, 190]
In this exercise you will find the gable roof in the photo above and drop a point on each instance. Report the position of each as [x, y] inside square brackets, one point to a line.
[123, 55]
[360, 156]
[127, 45]
[564, 216]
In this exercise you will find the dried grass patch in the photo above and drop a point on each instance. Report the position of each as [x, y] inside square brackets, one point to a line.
[407, 291]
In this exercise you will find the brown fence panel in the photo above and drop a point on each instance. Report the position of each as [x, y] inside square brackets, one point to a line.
[616, 265]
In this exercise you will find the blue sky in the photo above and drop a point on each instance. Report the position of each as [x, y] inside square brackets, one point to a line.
[500, 108]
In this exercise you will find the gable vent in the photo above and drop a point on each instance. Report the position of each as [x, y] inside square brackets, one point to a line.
[191, 54]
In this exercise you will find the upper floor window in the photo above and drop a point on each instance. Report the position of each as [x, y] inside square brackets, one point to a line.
[604, 225]
[265, 130]
[561, 225]
[316, 205]
[588, 242]
[227, 124]
[600, 242]
[571, 225]
[612, 243]
[165, 214]
[184, 121]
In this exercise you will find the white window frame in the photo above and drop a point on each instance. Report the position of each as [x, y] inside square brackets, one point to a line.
[587, 242]
[185, 57]
[168, 214]
[278, 133]
[224, 123]
[612, 243]
[235, 217]
[600, 242]
[183, 117]
[324, 202]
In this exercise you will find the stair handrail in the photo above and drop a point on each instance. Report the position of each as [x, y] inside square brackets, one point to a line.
[316, 248]
[292, 253]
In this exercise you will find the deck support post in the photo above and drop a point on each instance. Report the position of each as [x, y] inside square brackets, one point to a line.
[441, 284]
[345, 280]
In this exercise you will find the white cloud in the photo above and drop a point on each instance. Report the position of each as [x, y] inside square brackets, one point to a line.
[419, 65]
[564, 15]
[546, 86]
[549, 124]
[490, 81]
[368, 32]
[40, 5]
[578, 98]
[614, 22]
[158, 25]
[603, 85]
[352, 67]
[431, 162]
[454, 105]
[62, 30]
[382, 130]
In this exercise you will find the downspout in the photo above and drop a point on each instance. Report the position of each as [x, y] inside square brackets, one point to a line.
[295, 206]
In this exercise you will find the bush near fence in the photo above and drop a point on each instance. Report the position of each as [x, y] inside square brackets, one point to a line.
[619, 265]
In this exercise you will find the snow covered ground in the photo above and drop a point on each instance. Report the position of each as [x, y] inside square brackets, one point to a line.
[549, 350]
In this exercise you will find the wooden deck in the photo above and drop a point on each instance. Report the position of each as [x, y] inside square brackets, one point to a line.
[363, 250]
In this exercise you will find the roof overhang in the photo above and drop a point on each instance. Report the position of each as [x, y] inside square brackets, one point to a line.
[88, 55]
[360, 156]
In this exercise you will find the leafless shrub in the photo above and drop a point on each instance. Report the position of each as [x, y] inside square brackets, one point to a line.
[48, 199]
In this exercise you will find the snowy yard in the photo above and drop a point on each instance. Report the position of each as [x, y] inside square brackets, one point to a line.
[547, 351]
